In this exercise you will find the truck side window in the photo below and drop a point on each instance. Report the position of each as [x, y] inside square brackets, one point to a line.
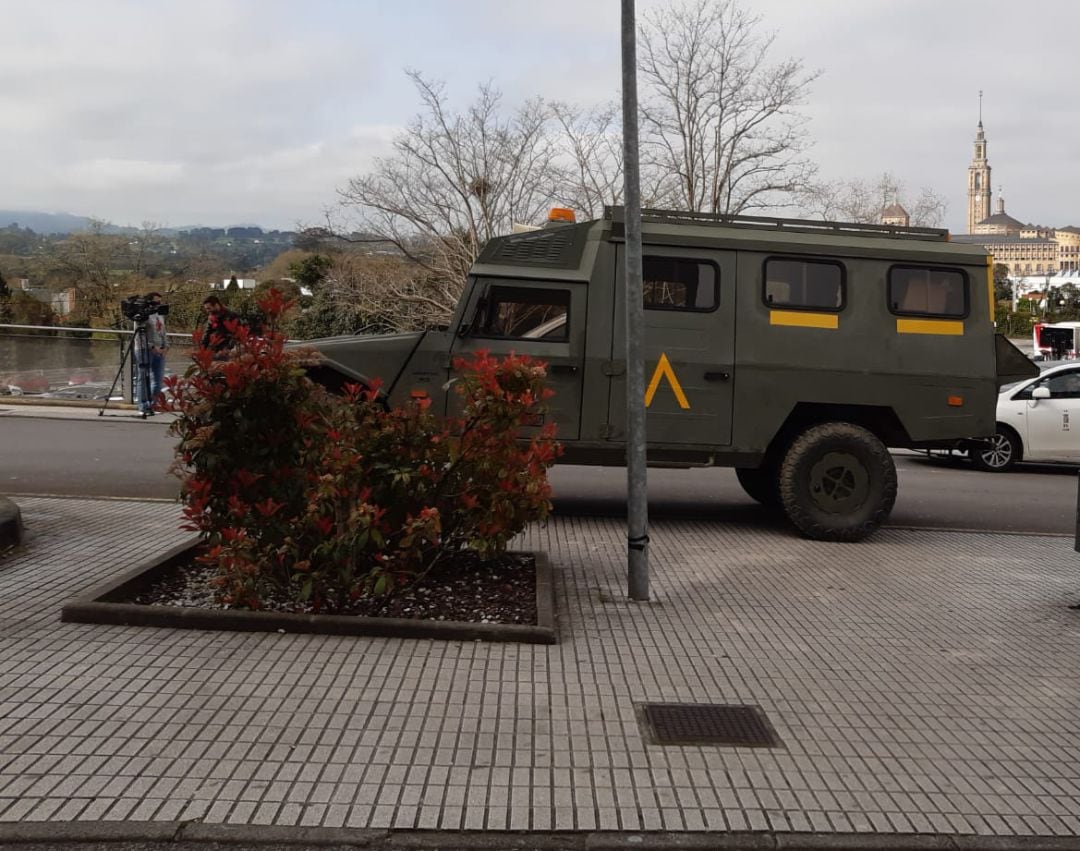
[670, 283]
[921, 291]
[804, 284]
[527, 313]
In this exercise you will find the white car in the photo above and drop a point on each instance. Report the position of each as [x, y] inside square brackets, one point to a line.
[1034, 421]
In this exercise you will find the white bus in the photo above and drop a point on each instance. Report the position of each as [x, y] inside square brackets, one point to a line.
[1055, 340]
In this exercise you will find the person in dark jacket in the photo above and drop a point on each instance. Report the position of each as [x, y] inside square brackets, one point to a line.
[217, 335]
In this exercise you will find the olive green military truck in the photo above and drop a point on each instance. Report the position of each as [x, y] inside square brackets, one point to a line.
[794, 351]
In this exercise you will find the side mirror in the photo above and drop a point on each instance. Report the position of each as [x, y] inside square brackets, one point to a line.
[1040, 393]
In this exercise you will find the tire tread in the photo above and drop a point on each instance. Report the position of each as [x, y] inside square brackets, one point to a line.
[809, 442]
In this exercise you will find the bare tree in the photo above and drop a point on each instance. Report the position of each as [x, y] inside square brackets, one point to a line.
[717, 119]
[456, 180]
[147, 248]
[87, 261]
[721, 132]
[590, 156]
[385, 292]
[864, 201]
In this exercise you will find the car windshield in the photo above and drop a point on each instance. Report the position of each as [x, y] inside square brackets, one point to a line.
[1043, 365]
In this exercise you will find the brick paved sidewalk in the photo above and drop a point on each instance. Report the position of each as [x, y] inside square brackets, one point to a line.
[920, 683]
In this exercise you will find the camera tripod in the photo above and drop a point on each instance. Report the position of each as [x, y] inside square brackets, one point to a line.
[138, 353]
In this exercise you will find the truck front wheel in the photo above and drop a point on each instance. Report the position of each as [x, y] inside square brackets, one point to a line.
[837, 482]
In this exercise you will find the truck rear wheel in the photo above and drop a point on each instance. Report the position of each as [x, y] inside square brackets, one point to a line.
[761, 483]
[837, 482]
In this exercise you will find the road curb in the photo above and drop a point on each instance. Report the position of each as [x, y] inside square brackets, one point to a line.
[11, 528]
[45, 402]
[188, 834]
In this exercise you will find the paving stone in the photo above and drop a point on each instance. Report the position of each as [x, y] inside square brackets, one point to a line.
[920, 682]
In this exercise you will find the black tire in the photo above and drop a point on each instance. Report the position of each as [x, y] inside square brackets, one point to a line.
[761, 483]
[1001, 455]
[837, 482]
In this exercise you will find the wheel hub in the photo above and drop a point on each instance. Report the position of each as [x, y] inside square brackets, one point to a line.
[839, 483]
[1000, 452]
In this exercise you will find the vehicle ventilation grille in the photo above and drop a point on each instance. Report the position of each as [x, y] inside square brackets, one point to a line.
[547, 248]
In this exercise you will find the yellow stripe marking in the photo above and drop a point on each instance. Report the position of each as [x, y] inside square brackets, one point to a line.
[664, 370]
[799, 319]
[951, 327]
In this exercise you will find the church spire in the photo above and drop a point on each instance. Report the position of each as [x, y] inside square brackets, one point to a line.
[979, 190]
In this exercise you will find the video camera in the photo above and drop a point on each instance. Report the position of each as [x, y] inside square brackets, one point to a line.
[139, 308]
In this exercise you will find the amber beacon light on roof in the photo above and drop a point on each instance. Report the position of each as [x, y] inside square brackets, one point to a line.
[562, 214]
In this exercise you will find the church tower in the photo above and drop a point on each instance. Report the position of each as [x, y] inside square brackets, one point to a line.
[978, 179]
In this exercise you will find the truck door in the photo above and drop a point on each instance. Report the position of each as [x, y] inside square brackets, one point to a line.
[542, 319]
[689, 346]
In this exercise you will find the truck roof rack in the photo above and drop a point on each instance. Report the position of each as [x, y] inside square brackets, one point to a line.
[616, 214]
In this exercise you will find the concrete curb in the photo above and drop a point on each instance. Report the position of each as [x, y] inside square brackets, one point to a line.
[11, 528]
[40, 402]
[189, 834]
[102, 605]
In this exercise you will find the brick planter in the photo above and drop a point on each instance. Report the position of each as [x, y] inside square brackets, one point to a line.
[102, 605]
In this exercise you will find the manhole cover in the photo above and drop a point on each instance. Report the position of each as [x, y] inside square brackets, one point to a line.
[708, 724]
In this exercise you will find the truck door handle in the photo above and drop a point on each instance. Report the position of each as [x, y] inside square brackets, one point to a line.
[717, 376]
[564, 368]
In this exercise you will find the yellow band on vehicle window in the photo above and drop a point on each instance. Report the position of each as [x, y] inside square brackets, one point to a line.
[799, 319]
[950, 327]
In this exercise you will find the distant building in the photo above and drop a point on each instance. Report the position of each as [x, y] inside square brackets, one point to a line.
[894, 214]
[64, 301]
[35, 290]
[1026, 249]
[1036, 286]
[243, 283]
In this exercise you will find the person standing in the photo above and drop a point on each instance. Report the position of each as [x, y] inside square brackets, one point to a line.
[219, 334]
[150, 355]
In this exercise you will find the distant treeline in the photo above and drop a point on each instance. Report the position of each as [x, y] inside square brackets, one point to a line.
[24, 242]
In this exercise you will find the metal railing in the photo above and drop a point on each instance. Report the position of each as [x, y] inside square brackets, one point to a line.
[74, 363]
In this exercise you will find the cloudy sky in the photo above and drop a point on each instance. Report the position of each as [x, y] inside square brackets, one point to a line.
[222, 112]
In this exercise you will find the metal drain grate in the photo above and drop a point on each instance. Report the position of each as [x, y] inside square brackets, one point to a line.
[708, 724]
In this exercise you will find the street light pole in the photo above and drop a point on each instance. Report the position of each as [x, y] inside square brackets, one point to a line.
[637, 504]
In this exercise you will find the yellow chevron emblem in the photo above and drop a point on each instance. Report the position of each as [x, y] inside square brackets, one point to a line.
[664, 370]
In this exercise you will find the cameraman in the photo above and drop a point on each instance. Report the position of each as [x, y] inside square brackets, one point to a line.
[152, 358]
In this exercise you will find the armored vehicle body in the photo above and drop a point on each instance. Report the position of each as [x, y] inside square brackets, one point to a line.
[793, 351]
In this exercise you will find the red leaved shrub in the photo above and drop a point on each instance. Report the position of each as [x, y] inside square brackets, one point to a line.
[309, 497]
